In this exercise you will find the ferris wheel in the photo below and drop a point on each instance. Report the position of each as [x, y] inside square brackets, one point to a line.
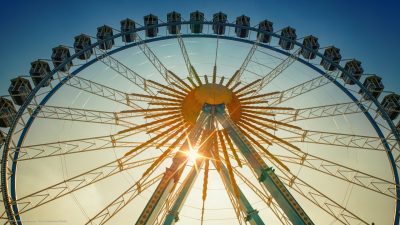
[199, 121]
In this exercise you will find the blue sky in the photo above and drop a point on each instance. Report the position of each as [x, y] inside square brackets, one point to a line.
[366, 30]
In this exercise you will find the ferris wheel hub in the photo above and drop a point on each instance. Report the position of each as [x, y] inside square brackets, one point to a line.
[212, 94]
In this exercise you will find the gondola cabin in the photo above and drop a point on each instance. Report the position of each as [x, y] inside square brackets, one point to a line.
[374, 85]
[333, 54]
[127, 27]
[219, 20]
[19, 90]
[245, 22]
[391, 104]
[265, 25]
[151, 20]
[174, 17]
[353, 67]
[60, 54]
[287, 33]
[7, 112]
[81, 42]
[104, 33]
[39, 70]
[310, 43]
[196, 20]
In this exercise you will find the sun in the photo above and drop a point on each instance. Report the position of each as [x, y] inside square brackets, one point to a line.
[193, 154]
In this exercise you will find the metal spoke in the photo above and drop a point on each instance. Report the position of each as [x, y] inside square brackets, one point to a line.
[168, 75]
[278, 70]
[246, 61]
[337, 139]
[122, 200]
[123, 70]
[301, 89]
[325, 111]
[191, 70]
[65, 187]
[337, 211]
[102, 91]
[65, 147]
[345, 173]
[81, 115]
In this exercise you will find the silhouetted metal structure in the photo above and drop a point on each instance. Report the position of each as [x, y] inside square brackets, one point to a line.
[189, 114]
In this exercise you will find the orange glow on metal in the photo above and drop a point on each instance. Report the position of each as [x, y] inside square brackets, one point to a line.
[234, 152]
[228, 165]
[260, 146]
[247, 119]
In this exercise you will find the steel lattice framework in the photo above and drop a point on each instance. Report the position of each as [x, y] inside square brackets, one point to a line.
[232, 123]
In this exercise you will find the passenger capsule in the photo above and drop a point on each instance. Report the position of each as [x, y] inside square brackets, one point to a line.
[245, 22]
[19, 90]
[81, 42]
[60, 54]
[289, 33]
[174, 17]
[39, 70]
[353, 67]
[391, 104]
[103, 34]
[151, 20]
[309, 42]
[7, 112]
[265, 25]
[374, 85]
[196, 19]
[127, 27]
[333, 54]
[219, 20]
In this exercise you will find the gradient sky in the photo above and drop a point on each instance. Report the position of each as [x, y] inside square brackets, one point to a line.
[367, 32]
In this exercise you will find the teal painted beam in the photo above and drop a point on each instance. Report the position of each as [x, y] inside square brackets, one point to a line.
[265, 174]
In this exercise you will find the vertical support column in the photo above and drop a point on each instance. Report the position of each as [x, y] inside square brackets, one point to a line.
[265, 174]
[172, 216]
[252, 215]
[170, 178]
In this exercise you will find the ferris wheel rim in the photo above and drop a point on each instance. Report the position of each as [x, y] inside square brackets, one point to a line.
[202, 35]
